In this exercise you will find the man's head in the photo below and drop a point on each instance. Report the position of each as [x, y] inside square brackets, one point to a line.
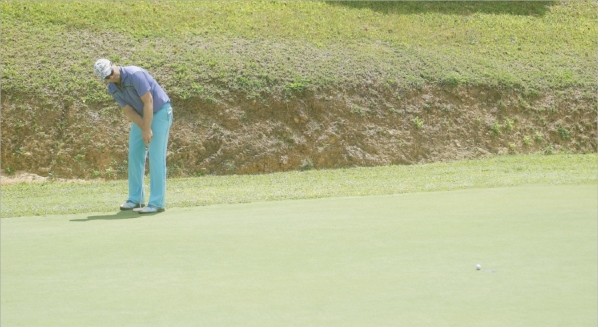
[103, 68]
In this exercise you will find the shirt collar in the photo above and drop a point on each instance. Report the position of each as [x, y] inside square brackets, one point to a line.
[123, 74]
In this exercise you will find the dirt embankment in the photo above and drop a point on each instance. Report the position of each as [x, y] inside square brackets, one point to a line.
[325, 129]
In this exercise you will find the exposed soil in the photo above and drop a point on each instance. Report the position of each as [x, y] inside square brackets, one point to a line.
[313, 130]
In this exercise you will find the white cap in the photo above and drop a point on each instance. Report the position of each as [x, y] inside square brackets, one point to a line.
[103, 68]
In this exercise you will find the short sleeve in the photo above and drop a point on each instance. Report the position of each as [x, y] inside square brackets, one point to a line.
[117, 97]
[140, 83]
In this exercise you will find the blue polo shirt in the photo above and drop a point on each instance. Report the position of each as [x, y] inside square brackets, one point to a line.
[135, 82]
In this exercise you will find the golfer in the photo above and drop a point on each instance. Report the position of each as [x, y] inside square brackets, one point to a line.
[148, 108]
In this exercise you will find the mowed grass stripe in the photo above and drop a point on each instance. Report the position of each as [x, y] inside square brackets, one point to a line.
[356, 261]
[105, 196]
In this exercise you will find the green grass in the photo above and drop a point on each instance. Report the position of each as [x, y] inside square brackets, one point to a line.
[262, 49]
[398, 260]
[103, 196]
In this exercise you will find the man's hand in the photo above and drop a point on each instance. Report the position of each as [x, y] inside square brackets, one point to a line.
[147, 135]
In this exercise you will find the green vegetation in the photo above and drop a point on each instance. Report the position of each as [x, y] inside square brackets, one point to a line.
[213, 50]
[99, 196]
[418, 122]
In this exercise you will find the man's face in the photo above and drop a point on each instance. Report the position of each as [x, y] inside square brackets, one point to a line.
[113, 78]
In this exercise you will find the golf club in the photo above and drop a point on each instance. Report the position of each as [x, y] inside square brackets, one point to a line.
[141, 199]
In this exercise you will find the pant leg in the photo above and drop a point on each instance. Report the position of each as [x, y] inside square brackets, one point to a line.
[136, 165]
[157, 155]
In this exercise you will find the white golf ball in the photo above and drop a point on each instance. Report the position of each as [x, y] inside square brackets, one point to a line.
[478, 266]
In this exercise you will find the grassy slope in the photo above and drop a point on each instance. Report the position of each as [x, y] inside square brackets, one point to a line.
[97, 196]
[269, 48]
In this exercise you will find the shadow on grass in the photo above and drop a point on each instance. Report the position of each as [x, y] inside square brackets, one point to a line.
[119, 215]
[531, 8]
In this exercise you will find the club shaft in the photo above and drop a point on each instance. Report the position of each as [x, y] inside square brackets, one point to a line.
[141, 200]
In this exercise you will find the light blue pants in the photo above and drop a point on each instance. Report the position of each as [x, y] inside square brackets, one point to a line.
[157, 159]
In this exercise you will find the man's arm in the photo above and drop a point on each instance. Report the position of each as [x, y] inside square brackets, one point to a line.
[133, 116]
[148, 116]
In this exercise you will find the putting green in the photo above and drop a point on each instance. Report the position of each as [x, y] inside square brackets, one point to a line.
[401, 260]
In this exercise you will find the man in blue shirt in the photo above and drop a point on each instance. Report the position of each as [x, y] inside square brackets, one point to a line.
[148, 108]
